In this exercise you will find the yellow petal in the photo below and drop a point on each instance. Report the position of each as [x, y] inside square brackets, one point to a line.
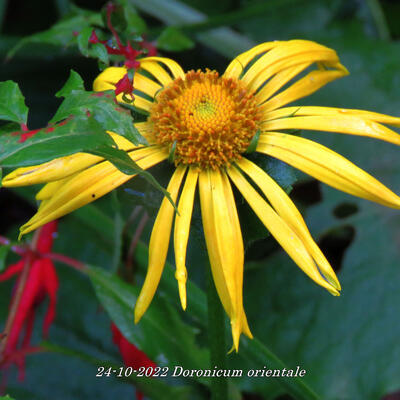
[207, 215]
[224, 246]
[51, 188]
[239, 64]
[280, 230]
[286, 209]
[239, 251]
[90, 185]
[307, 85]
[158, 247]
[225, 236]
[287, 55]
[327, 166]
[60, 168]
[181, 231]
[278, 81]
[110, 77]
[173, 66]
[347, 124]
[156, 70]
[332, 112]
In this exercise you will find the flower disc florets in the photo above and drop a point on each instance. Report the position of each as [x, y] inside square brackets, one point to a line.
[205, 119]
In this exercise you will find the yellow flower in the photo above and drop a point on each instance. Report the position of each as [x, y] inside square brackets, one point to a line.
[207, 122]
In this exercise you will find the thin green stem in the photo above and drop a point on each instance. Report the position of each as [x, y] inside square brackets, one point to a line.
[379, 18]
[217, 342]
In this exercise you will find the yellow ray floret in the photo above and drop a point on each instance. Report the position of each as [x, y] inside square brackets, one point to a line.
[181, 230]
[348, 124]
[60, 168]
[90, 185]
[281, 231]
[286, 209]
[327, 166]
[158, 247]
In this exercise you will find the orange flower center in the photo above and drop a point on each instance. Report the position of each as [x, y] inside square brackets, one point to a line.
[206, 120]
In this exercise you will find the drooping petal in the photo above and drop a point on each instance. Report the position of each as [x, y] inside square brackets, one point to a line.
[327, 166]
[286, 209]
[207, 215]
[225, 247]
[287, 55]
[60, 168]
[305, 86]
[348, 124]
[181, 230]
[239, 249]
[281, 231]
[158, 247]
[90, 185]
[51, 188]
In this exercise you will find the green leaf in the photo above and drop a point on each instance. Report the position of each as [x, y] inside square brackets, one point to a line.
[74, 82]
[102, 106]
[83, 40]
[152, 387]
[6, 397]
[62, 33]
[98, 50]
[119, 158]
[76, 135]
[12, 103]
[172, 39]
[135, 24]
[161, 331]
[4, 249]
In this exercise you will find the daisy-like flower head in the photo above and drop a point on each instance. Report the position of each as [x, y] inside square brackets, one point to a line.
[206, 123]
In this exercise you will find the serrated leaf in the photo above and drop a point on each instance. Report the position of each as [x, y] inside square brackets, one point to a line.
[74, 82]
[12, 103]
[102, 106]
[172, 39]
[76, 135]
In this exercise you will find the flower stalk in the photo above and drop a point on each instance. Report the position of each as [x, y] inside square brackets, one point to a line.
[217, 341]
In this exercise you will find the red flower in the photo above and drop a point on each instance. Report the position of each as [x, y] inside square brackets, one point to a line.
[41, 280]
[132, 356]
[124, 85]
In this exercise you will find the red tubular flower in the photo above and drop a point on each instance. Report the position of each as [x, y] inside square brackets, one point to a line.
[131, 355]
[42, 279]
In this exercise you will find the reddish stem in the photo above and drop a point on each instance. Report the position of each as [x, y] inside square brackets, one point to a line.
[80, 266]
[18, 294]
[110, 10]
